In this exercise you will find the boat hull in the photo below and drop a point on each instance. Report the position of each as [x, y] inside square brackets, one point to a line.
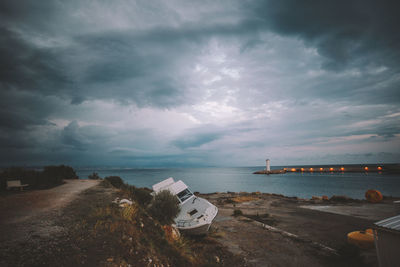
[196, 214]
[201, 225]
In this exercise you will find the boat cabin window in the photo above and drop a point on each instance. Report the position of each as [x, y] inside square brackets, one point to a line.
[185, 194]
[193, 212]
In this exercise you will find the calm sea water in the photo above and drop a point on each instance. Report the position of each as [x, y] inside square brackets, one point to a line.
[306, 185]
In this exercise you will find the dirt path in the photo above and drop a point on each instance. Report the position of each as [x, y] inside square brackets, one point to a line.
[27, 213]
[36, 230]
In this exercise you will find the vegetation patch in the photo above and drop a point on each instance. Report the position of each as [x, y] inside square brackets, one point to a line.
[237, 212]
[50, 176]
[164, 207]
[133, 236]
[115, 181]
[241, 199]
[94, 176]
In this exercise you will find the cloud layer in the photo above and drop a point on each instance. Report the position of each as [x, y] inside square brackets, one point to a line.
[172, 83]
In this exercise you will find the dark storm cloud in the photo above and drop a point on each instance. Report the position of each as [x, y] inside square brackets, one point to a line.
[147, 67]
[20, 110]
[26, 67]
[196, 139]
[62, 60]
[345, 32]
[29, 13]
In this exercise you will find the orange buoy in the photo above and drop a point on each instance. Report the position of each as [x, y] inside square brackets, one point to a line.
[362, 239]
[370, 231]
[373, 196]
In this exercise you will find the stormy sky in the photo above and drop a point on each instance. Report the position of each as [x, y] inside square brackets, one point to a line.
[199, 83]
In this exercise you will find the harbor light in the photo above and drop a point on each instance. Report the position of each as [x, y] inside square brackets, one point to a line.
[268, 165]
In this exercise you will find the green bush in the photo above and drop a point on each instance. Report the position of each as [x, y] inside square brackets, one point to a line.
[141, 195]
[164, 207]
[50, 176]
[59, 172]
[115, 181]
[237, 212]
[94, 176]
[54, 175]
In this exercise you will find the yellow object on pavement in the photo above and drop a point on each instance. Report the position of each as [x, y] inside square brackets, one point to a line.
[362, 239]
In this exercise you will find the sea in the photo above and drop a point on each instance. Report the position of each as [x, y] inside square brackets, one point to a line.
[242, 179]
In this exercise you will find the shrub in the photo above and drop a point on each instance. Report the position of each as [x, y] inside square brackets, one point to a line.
[94, 176]
[237, 212]
[59, 172]
[115, 181]
[53, 175]
[164, 207]
[141, 195]
[50, 176]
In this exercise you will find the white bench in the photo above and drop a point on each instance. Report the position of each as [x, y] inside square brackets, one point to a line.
[15, 183]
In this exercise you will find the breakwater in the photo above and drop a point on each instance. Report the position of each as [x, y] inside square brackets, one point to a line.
[378, 168]
[270, 172]
[345, 168]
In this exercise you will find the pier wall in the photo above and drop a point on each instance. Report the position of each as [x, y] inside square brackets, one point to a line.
[345, 168]
[387, 168]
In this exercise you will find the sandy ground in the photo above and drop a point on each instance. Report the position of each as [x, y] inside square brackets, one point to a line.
[28, 213]
[312, 229]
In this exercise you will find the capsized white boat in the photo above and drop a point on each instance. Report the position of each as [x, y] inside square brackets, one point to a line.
[196, 214]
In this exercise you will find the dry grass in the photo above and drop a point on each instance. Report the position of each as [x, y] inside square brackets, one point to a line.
[116, 236]
[241, 199]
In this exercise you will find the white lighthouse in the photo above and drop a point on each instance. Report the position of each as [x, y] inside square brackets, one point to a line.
[268, 165]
